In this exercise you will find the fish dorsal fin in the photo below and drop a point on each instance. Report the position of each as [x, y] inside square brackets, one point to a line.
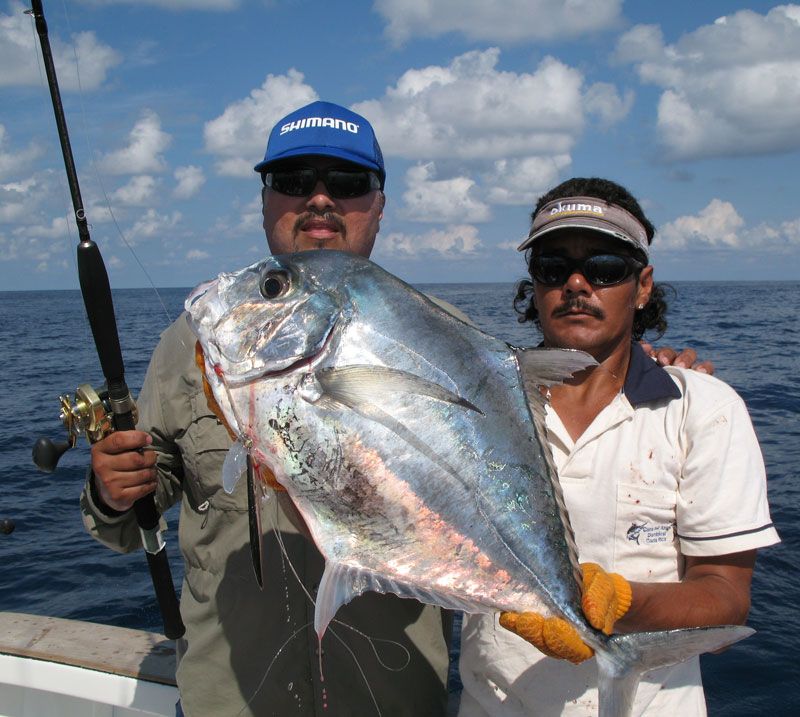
[548, 367]
[358, 384]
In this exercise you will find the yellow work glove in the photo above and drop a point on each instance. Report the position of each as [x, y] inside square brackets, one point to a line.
[606, 598]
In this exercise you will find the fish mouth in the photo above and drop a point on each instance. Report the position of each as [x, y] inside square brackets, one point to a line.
[304, 363]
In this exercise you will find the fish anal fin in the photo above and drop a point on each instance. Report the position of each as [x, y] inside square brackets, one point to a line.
[341, 583]
[337, 588]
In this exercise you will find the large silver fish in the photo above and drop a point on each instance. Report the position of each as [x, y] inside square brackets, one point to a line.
[407, 440]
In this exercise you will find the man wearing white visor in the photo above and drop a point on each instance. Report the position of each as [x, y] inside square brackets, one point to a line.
[661, 471]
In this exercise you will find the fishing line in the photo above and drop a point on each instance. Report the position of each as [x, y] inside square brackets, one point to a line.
[277, 654]
[370, 639]
[279, 538]
[373, 640]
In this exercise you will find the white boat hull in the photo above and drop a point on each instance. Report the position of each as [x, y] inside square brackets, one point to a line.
[68, 668]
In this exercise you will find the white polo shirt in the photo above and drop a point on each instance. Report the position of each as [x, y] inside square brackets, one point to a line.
[670, 467]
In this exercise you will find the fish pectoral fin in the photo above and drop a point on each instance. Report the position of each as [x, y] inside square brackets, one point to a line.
[358, 384]
[234, 465]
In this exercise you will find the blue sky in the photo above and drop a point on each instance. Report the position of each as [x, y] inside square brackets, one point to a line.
[479, 107]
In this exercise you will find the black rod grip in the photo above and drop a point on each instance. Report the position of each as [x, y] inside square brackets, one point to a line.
[147, 515]
[100, 310]
[165, 594]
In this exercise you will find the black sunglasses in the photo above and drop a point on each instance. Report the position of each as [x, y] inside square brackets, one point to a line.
[598, 269]
[340, 183]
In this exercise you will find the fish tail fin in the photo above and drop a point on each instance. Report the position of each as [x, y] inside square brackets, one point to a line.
[626, 658]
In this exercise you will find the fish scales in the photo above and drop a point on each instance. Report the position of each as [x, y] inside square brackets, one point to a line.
[408, 442]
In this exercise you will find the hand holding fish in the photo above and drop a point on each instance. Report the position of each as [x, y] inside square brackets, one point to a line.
[123, 472]
[606, 598]
[666, 356]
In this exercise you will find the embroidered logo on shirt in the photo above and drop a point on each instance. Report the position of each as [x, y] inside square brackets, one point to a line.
[645, 534]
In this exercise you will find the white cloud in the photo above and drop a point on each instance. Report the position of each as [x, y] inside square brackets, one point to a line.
[238, 137]
[500, 20]
[36, 242]
[455, 240]
[719, 226]
[189, 180]
[602, 99]
[522, 181]
[470, 110]
[443, 200]
[787, 234]
[19, 44]
[514, 131]
[46, 265]
[14, 162]
[27, 201]
[16, 200]
[730, 88]
[140, 191]
[142, 152]
[153, 225]
[57, 229]
[197, 255]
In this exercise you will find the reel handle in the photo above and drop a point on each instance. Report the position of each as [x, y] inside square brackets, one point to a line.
[47, 453]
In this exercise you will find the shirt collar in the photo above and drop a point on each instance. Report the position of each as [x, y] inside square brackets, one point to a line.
[646, 380]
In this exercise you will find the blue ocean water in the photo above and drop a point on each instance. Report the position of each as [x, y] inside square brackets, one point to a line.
[50, 566]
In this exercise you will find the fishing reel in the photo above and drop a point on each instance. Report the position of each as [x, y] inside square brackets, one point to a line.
[91, 414]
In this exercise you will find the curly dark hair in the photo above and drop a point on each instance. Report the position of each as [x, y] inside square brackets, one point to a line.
[653, 315]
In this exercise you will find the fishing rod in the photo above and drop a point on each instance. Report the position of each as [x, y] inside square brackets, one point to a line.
[97, 413]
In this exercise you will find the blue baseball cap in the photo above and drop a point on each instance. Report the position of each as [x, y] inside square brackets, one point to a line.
[326, 129]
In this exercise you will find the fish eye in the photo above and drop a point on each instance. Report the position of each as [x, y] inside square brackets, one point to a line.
[274, 284]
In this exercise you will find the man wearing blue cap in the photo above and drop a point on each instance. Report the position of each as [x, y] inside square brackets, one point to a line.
[248, 651]
[329, 144]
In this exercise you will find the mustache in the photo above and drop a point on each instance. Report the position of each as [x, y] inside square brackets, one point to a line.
[578, 304]
[325, 216]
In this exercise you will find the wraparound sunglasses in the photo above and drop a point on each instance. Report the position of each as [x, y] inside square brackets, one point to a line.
[598, 269]
[340, 183]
